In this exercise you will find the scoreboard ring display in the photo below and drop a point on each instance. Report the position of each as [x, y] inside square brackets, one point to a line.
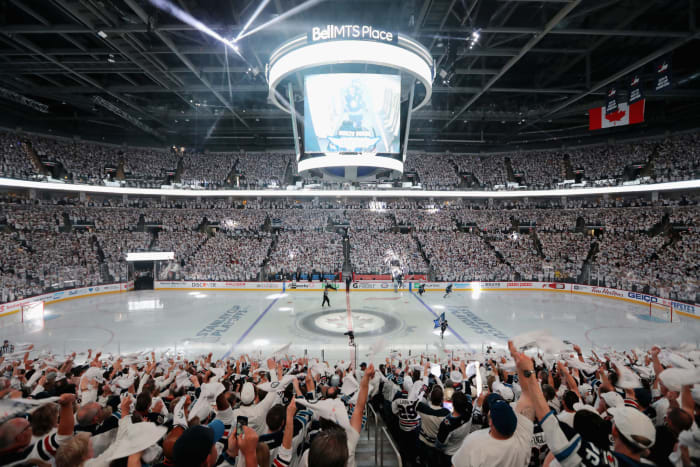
[354, 146]
[396, 51]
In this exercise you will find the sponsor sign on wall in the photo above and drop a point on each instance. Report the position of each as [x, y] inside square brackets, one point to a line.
[11, 308]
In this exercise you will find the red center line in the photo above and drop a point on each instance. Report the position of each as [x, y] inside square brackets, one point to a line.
[347, 307]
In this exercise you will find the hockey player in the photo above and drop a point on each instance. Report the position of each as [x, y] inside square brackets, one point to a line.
[448, 290]
[421, 289]
[443, 328]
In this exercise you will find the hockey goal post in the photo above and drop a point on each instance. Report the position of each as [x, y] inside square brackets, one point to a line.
[32, 312]
[661, 312]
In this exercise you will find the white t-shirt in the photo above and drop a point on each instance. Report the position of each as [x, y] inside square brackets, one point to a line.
[479, 449]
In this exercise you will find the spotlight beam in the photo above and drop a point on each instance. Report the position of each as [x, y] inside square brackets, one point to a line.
[192, 21]
[287, 14]
[255, 14]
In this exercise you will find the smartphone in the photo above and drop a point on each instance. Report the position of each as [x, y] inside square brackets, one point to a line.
[240, 423]
[448, 406]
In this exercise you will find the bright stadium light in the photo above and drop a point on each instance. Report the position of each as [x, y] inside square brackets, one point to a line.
[255, 14]
[476, 290]
[287, 14]
[192, 21]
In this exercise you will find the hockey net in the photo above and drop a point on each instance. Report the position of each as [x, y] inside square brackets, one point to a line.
[660, 312]
[33, 313]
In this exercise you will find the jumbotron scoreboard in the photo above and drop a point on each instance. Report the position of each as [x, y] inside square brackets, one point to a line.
[351, 112]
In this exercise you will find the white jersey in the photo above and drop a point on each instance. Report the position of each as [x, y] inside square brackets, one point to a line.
[409, 418]
[256, 413]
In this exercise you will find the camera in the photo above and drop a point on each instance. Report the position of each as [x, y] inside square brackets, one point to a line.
[351, 336]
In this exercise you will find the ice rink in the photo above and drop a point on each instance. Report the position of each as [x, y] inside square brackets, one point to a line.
[232, 322]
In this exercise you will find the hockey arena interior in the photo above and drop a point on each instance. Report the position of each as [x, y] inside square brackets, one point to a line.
[330, 233]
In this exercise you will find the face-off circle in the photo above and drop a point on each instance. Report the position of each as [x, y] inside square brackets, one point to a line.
[334, 323]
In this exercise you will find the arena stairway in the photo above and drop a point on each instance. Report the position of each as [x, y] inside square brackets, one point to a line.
[231, 175]
[648, 169]
[180, 169]
[368, 444]
[509, 170]
[347, 266]
[120, 175]
[585, 276]
[537, 242]
[67, 225]
[568, 168]
[660, 227]
[35, 159]
[288, 177]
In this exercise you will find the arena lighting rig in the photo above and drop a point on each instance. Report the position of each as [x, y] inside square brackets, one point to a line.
[354, 121]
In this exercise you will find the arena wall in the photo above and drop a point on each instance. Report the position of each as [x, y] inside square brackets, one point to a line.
[10, 312]
[682, 308]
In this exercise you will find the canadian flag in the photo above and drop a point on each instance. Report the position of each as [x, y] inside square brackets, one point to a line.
[625, 115]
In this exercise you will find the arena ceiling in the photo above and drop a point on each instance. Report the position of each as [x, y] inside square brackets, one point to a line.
[536, 70]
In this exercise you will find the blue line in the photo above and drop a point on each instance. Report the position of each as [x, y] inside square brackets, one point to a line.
[436, 315]
[245, 334]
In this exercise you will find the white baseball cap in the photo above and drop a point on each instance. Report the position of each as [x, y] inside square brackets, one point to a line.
[504, 391]
[612, 399]
[634, 426]
[248, 393]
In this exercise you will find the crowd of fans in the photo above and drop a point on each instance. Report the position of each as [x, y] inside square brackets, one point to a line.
[521, 253]
[435, 172]
[425, 219]
[666, 159]
[457, 256]
[300, 219]
[635, 244]
[261, 170]
[678, 158]
[543, 401]
[624, 260]
[224, 257]
[564, 253]
[540, 170]
[488, 170]
[299, 254]
[375, 252]
[14, 162]
[364, 219]
[208, 170]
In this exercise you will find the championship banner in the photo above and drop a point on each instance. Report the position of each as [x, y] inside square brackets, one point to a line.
[635, 90]
[662, 74]
[611, 106]
[625, 115]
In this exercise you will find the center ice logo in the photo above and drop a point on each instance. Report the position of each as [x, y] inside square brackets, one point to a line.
[365, 322]
[338, 322]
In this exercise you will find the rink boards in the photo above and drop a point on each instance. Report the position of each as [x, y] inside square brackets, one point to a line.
[685, 309]
[9, 312]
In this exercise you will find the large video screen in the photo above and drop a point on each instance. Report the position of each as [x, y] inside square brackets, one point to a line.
[352, 112]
